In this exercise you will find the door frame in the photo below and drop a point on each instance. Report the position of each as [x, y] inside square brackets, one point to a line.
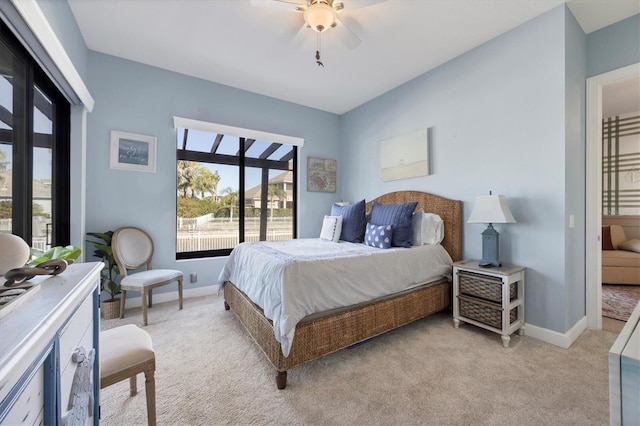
[593, 254]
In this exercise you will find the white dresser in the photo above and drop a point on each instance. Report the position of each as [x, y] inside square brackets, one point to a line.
[48, 352]
[624, 374]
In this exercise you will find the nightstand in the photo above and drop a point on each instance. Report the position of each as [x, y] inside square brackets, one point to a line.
[491, 298]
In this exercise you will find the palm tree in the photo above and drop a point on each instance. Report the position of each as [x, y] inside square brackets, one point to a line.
[186, 174]
[275, 191]
[205, 181]
[231, 199]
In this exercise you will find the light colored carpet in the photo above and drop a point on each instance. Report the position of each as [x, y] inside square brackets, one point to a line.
[209, 372]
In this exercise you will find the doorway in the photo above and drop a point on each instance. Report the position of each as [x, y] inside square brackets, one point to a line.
[593, 232]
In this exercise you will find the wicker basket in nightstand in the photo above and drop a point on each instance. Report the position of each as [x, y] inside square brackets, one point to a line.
[491, 298]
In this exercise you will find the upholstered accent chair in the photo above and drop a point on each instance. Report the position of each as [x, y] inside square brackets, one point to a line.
[133, 249]
[125, 352]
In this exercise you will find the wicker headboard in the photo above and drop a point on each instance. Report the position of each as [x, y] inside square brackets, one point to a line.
[449, 210]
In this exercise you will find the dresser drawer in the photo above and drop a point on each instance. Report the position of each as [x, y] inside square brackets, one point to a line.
[28, 409]
[77, 334]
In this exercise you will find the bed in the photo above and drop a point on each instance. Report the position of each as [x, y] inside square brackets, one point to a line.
[321, 334]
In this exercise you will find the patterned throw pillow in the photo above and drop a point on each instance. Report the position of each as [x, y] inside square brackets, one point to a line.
[378, 235]
[331, 228]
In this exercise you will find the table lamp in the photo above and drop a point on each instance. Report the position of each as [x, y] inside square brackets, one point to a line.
[490, 209]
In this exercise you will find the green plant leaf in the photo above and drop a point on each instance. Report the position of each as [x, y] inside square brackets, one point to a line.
[68, 253]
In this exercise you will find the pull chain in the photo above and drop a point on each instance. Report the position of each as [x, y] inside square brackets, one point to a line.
[318, 47]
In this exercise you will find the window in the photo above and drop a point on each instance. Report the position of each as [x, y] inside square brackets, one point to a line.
[231, 189]
[34, 150]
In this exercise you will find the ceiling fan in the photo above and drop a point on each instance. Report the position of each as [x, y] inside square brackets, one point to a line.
[320, 16]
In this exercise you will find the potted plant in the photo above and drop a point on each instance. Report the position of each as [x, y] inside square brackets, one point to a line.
[109, 276]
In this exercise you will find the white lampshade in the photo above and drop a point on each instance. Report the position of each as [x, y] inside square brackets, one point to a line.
[320, 16]
[491, 209]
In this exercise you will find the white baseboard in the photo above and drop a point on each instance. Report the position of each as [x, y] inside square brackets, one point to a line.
[553, 337]
[170, 296]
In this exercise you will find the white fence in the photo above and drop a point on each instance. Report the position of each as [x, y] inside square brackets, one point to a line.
[217, 233]
[197, 241]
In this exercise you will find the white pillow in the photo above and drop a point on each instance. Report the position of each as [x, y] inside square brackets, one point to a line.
[331, 228]
[416, 228]
[432, 229]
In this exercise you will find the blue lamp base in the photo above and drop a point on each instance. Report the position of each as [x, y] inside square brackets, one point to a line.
[490, 248]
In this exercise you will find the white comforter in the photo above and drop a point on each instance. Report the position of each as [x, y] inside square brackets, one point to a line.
[295, 278]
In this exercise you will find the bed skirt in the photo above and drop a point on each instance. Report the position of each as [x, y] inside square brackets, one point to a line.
[320, 336]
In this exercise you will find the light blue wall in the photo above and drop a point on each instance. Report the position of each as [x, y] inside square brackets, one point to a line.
[142, 99]
[497, 117]
[61, 19]
[614, 47]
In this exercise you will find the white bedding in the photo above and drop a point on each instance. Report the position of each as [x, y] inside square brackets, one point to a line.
[295, 278]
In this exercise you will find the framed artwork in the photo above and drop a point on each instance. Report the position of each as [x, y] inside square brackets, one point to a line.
[130, 151]
[405, 156]
[321, 175]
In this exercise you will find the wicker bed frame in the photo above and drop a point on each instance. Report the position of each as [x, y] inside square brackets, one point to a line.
[323, 335]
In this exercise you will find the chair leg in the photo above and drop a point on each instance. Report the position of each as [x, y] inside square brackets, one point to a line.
[123, 298]
[150, 298]
[180, 293]
[144, 306]
[150, 390]
[133, 385]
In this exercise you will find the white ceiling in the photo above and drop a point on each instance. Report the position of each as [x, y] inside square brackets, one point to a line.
[234, 43]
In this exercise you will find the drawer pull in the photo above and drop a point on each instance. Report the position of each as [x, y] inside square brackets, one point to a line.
[81, 398]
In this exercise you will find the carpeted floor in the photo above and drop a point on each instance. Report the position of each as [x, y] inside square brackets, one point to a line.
[210, 372]
[618, 301]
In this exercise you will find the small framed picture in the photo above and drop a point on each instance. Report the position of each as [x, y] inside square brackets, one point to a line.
[134, 152]
[321, 175]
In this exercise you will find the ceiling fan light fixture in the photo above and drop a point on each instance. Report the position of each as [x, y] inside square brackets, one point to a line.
[320, 16]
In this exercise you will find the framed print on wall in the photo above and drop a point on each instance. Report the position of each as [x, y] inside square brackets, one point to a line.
[134, 152]
[321, 175]
[405, 156]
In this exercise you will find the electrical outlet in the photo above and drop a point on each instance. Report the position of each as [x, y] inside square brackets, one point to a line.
[194, 277]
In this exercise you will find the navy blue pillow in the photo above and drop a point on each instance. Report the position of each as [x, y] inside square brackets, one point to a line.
[398, 215]
[352, 221]
[378, 236]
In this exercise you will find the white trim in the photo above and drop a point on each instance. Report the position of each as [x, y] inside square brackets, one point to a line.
[593, 261]
[30, 25]
[170, 296]
[553, 337]
[187, 123]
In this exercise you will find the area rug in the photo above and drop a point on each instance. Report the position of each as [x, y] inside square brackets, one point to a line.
[618, 301]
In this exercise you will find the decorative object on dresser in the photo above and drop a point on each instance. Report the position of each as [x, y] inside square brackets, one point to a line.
[490, 209]
[322, 333]
[125, 352]
[133, 249]
[14, 252]
[489, 298]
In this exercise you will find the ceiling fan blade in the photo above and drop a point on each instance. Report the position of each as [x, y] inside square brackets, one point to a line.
[357, 4]
[301, 35]
[345, 35]
[290, 5]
